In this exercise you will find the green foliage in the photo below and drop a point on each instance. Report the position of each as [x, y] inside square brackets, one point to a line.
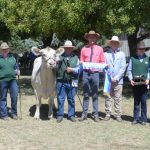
[19, 46]
[16, 44]
[72, 18]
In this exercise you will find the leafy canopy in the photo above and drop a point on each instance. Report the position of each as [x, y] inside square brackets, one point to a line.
[72, 18]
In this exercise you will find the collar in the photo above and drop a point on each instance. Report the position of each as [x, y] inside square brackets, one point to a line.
[65, 55]
[9, 55]
[112, 51]
[89, 46]
[141, 57]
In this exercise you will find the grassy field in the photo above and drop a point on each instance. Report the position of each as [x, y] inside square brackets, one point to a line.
[43, 134]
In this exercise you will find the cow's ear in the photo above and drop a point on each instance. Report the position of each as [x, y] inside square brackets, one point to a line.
[60, 51]
[35, 51]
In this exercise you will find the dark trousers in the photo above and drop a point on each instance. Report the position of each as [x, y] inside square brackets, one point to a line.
[13, 88]
[64, 89]
[90, 88]
[140, 98]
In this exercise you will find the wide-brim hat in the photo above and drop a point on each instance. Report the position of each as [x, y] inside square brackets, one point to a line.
[114, 39]
[4, 46]
[141, 45]
[68, 44]
[86, 35]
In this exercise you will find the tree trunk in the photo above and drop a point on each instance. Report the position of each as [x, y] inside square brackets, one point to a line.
[133, 41]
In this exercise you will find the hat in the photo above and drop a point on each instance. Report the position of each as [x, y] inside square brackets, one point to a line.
[141, 45]
[114, 39]
[4, 45]
[68, 44]
[86, 35]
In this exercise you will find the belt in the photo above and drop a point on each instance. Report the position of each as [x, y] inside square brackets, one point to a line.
[91, 72]
[138, 80]
[64, 80]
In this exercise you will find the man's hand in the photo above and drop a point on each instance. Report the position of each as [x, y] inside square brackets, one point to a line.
[147, 82]
[17, 72]
[113, 80]
[108, 65]
[69, 69]
[132, 82]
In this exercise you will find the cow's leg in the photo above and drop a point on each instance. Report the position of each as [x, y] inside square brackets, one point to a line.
[38, 104]
[54, 107]
[50, 111]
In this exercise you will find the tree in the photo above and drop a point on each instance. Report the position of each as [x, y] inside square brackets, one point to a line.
[72, 18]
[20, 46]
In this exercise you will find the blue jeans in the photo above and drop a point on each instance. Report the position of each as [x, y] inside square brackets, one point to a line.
[64, 89]
[13, 88]
[140, 98]
[90, 88]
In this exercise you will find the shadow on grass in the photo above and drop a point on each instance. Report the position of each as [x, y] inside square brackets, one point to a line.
[25, 86]
[26, 72]
[130, 118]
[89, 115]
[43, 111]
[44, 114]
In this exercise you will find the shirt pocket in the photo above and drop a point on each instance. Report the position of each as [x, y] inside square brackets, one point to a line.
[118, 60]
[96, 55]
[86, 55]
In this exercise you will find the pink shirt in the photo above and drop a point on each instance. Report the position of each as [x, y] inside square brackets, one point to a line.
[97, 57]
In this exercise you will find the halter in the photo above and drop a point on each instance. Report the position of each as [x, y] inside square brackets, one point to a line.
[49, 59]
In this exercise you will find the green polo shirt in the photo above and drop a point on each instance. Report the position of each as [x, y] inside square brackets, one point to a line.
[7, 68]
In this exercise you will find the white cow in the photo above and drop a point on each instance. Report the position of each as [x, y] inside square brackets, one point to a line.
[44, 78]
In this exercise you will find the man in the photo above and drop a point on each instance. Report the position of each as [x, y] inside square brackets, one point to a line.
[138, 74]
[66, 82]
[8, 72]
[91, 53]
[117, 63]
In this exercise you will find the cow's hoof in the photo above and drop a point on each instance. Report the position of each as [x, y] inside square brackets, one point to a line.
[36, 117]
[50, 117]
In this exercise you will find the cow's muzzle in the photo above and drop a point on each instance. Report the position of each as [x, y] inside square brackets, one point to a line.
[51, 62]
